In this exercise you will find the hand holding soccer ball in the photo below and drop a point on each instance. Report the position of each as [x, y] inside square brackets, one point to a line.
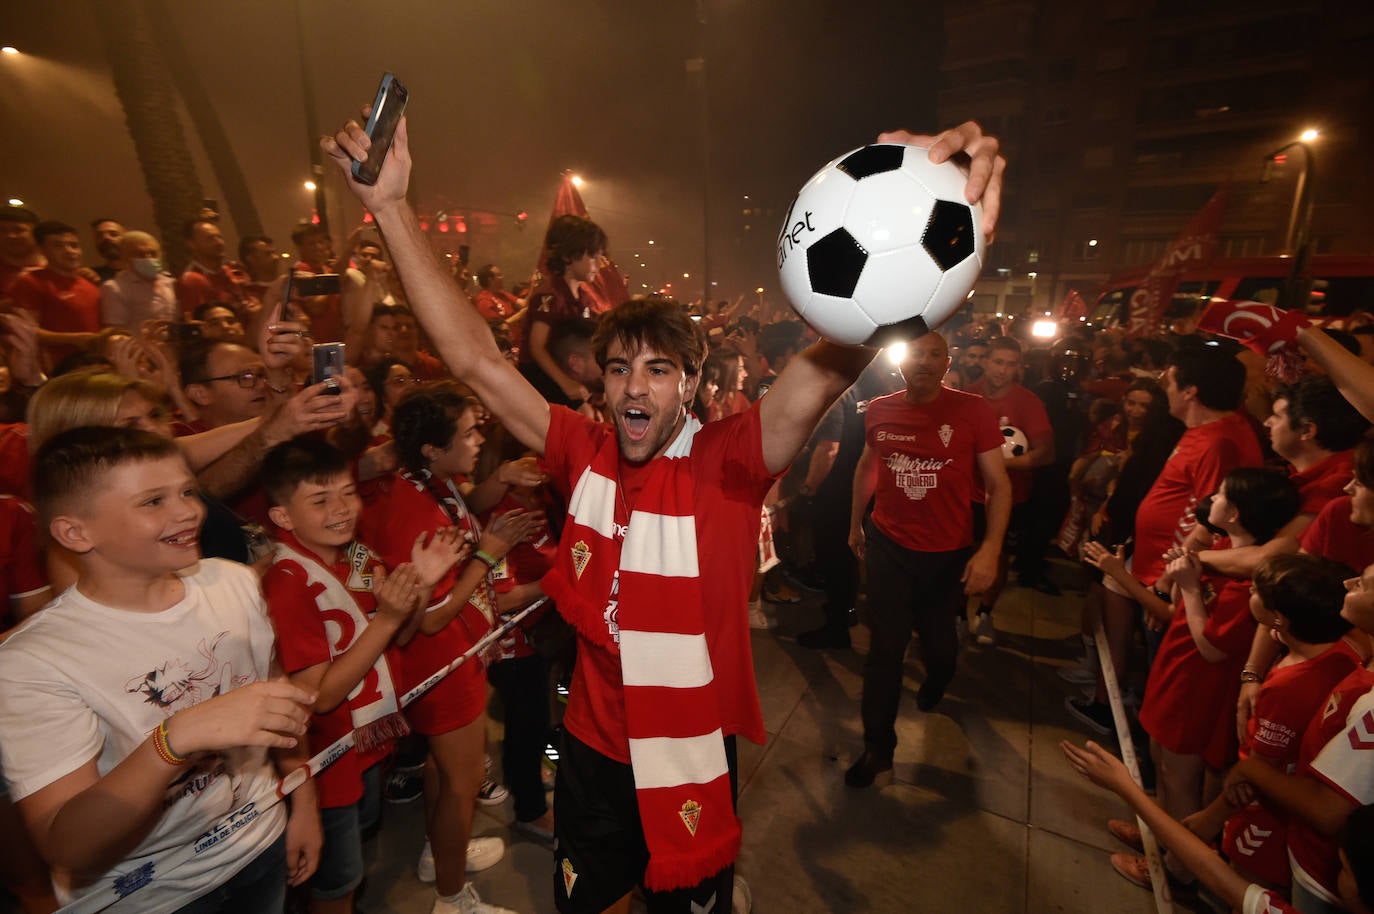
[886, 241]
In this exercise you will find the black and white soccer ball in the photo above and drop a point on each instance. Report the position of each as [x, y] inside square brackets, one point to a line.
[1014, 441]
[880, 246]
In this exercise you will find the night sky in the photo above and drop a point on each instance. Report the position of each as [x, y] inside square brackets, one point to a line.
[504, 97]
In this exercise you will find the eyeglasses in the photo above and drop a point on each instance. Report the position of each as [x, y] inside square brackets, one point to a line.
[246, 379]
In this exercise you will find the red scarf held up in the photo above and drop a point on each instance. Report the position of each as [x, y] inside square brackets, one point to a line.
[641, 598]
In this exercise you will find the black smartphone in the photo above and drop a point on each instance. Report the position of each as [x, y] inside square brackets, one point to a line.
[184, 333]
[319, 284]
[387, 109]
[327, 364]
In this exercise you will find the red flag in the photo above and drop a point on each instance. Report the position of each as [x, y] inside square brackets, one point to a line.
[1194, 248]
[608, 288]
[1072, 307]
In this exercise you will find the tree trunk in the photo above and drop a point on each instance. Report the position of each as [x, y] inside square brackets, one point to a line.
[145, 91]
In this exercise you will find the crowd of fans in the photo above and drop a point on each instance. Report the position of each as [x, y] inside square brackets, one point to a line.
[388, 522]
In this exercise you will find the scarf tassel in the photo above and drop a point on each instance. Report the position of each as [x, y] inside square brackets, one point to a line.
[667, 871]
[381, 731]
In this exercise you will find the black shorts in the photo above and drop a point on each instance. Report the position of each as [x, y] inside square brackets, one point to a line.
[599, 852]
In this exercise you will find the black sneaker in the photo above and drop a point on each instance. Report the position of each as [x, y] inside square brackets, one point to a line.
[403, 787]
[866, 770]
[823, 638]
[1094, 715]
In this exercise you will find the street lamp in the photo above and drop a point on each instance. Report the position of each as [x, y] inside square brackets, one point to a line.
[1310, 134]
[310, 186]
[577, 181]
[8, 50]
[1297, 241]
[15, 201]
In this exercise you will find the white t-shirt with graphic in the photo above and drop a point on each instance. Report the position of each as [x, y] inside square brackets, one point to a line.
[80, 680]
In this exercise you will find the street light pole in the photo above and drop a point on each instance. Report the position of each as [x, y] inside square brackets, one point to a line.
[1298, 238]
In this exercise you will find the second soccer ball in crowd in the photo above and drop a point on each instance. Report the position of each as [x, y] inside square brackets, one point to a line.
[880, 245]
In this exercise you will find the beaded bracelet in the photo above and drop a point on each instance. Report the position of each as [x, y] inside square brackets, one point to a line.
[164, 747]
[487, 558]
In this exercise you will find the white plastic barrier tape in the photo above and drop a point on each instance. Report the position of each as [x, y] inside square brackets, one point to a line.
[126, 884]
[1164, 903]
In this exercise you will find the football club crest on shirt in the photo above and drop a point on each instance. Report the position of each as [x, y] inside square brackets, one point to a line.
[691, 815]
[569, 876]
[581, 555]
[946, 434]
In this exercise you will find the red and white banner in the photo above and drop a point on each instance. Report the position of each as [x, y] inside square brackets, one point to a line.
[1194, 248]
[1072, 307]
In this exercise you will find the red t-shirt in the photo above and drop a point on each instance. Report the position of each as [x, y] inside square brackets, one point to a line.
[926, 461]
[304, 626]
[1022, 409]
[199, 284]
[731, 481]
[62, 304]
[15, 459]
[1257, 836]
[402, 510]
[1201, 459]
[1333, 535]
[21, 569]
[553, 301]
[1344, 728]
[427, 367]
[1321, 483]
[1190, 702]
[495, 306]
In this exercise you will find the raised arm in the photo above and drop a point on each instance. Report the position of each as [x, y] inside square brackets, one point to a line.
[457, 330]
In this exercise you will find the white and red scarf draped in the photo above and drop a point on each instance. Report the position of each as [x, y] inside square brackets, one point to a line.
[644, 596]
[373, 704]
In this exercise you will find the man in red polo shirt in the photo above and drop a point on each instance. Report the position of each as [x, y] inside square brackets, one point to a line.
[924, 450]
[209, 277]
[65, 304]
[1017, 407]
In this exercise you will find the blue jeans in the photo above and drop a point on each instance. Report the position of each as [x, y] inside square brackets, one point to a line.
[259, 887]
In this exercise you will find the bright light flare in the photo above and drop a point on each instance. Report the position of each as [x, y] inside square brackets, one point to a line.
[7, 49]
[1044, 330]
[310, 186]
[759, 290]
[896, 353]
[577, 181]
[1310, 134]
[15, 201]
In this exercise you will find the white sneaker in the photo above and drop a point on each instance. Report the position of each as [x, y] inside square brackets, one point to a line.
[743, 901]
[759, 619]
[424, 870]
[984, 630]
[483, 853]
[467, 901]
[492, 792]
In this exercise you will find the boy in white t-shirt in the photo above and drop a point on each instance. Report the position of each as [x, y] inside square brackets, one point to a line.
[138, 708]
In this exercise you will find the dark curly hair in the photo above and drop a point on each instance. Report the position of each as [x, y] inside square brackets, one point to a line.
[1308, 591]
[428, 416]
[571, 237]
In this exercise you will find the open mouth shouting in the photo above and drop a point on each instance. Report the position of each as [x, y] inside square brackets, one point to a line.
[636, 422]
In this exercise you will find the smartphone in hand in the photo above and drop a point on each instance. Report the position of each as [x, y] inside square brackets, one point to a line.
[387, 109]
[327, 364]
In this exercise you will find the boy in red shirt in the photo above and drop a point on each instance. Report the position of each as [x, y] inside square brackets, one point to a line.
[337, 614]
[64, 303]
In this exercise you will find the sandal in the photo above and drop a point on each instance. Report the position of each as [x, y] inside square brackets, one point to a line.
[1127, 832]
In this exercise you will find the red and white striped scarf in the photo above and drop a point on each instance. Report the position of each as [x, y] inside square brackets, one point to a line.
[643, 597]
[372, 705]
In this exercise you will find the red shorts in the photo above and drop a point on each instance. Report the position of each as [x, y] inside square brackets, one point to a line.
[455, 702]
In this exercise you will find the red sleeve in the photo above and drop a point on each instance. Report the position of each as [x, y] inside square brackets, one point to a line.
[25, 570]
[1230, 628]
[987, 434]
[301, 639]
[1315, 536]
[1279, 723]
[28, 294]
[193, 290]
[571, 443]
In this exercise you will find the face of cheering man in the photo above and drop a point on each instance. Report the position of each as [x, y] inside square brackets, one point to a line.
[646, 393]
[924, 367]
